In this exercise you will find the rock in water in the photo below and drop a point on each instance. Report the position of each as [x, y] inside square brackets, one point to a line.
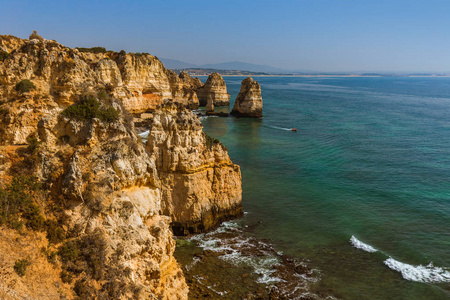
[249, 101]
[214, 90]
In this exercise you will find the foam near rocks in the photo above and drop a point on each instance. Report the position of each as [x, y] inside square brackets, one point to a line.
[273, 269]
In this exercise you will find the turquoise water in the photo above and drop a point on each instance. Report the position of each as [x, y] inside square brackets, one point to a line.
[370, 160]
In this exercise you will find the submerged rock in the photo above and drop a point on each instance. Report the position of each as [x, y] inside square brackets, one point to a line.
[249, 101]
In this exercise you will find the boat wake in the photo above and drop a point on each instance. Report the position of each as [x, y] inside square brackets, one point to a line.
[279, 128]
[420, 273]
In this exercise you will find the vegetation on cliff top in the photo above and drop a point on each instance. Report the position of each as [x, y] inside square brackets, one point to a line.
[94, 50]
[88, 108]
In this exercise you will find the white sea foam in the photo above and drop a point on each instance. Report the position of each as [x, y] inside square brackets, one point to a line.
[426, 274]
[262, 265]
[360, 245]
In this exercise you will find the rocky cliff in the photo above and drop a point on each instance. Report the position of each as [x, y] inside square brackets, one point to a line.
[59, 74]
[249, 101]
[214, 92]
[107, 201]
[201, 187]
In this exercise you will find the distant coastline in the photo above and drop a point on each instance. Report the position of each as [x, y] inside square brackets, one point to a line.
[237, 73]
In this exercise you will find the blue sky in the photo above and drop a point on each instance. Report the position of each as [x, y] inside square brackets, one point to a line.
[328, 35]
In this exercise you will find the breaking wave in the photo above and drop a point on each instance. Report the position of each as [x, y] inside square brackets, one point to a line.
[360, 245]
[426, 274]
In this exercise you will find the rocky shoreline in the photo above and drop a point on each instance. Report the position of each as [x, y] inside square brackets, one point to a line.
[230, 264]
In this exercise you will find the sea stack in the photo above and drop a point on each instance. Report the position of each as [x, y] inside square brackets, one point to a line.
[214, 89]
[249, 101]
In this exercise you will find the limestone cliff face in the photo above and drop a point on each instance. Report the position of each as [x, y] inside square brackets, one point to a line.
[111, 188]
[117, 198]
[249, 101]
[192, 83]
[214, 91]
[200, 185]
[183, 89]
[60, 74]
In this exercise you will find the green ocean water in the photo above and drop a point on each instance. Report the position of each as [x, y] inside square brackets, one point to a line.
[370, 160]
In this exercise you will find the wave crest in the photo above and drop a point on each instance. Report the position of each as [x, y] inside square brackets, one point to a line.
[360, 245]
[426, 274]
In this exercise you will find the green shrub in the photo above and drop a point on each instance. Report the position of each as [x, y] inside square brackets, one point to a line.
[89, 108]
[21, 265]
[35, 35]
[93, 248]
[34, 219]
[55, 233]
[66, 277]
[102, 94]
[69, 251]
[85, 290]
[3, 55]
[94, 50]
[17, 203]
[33, 143]
[51, 255]
[24, 86]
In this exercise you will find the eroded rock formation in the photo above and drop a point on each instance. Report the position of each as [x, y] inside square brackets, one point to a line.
[112, 193]
[249, 101]
[214, 91]
[114, 197]
[60, 74]
[201, 187]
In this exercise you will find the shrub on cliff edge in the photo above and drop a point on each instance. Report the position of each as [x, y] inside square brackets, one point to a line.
[35, 36]
[94, 50]
[88, 108]
[24, 86]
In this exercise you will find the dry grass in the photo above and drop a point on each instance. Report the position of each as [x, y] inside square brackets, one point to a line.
[41, 279]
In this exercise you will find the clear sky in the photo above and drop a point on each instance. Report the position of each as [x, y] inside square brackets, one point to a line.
[320, 35]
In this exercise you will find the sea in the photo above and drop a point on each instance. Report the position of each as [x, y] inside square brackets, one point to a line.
[355, 204]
